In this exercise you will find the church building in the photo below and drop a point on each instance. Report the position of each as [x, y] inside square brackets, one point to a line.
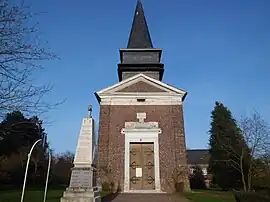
[141, 145]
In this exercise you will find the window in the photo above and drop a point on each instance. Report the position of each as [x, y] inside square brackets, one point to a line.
[140, 100]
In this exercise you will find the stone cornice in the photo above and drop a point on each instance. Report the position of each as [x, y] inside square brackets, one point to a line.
[141, 126]
[148, 100]
[128, 130]
[138, 125]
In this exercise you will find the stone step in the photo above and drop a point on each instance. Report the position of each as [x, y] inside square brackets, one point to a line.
[80, 196]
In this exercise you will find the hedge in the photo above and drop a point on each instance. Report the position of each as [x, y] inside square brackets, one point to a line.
[251, 197]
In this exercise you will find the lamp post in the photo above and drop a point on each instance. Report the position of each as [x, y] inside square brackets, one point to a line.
[48, 173]
[26, 169]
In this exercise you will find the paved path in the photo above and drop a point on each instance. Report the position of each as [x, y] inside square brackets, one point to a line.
[146, 198]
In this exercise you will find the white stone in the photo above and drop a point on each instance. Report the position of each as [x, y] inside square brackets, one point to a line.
[134, 132]
[141, 77]
[113, 96]
[141, 117]
[82, 186]
[147, 125]
[81, 196]
[84, 150]
[142, 136]
[149, 100]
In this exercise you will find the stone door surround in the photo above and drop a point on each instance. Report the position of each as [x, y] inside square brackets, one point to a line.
[141, 132]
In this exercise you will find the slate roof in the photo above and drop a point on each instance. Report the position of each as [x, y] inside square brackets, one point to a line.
[139, 35]
[197, 156]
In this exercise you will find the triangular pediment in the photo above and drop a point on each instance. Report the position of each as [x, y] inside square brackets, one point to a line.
[141, 83]
[141, 86]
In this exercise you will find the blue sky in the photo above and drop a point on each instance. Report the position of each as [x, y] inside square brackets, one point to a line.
[216, 50]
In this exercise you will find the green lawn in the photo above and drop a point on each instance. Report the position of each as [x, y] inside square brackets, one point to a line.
[55, 195]
[209, 196]
[32, 196]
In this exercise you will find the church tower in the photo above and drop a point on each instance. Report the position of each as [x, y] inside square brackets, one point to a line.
[141, 144]
[140, 56]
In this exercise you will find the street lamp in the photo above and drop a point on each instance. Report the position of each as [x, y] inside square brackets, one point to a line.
[26, 171]
[48, 173]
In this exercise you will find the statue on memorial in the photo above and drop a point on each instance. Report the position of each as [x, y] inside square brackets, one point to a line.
[90, 111]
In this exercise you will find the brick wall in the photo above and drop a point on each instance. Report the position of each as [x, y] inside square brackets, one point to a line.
[172, 146]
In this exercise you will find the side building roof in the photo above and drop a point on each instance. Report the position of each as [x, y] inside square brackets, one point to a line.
[198, 156]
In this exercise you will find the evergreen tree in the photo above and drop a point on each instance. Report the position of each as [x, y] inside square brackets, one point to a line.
[226, 144]
[17, 131]
[18, 134]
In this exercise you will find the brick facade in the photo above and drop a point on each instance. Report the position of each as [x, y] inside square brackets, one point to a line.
[172, 148]
[140, 66]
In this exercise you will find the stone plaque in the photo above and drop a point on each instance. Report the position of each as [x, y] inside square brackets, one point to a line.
[138, 172]
[81, 178]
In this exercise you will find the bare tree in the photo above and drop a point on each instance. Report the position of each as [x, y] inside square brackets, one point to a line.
[266, 161]
[20, 55]
[61, 167]
[257, 136]
[242, 152]
[236, 151]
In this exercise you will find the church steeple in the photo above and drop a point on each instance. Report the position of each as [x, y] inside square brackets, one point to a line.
[140, 56]
[139, 35]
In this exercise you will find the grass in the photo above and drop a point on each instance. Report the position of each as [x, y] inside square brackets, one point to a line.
[209, 196]
[54, 195]
[33, 195]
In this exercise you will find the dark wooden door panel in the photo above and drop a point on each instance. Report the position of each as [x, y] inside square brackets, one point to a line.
[135, 162]
[148, 168]
[142, 157]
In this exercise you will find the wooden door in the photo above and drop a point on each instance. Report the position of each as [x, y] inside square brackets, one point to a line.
[149, 168]
[135, 163]
[142, 170]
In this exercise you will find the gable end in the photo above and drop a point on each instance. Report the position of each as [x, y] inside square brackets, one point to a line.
[141, 86]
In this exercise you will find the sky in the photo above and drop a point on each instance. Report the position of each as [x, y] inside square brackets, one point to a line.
[216, 50]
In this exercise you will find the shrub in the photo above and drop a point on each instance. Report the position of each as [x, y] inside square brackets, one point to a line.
[251, 197]
[106, 186]
[197, 179]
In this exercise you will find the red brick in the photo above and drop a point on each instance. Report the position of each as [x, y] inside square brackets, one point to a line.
[141, 87]
[172, 146]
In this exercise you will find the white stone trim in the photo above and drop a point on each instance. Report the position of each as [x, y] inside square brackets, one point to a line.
[141, 135]
[132, 100]
[141, 117]
[120, 87]
[170, 96]
[140, 77]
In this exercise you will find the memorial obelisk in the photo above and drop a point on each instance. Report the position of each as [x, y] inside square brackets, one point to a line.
[82, 186]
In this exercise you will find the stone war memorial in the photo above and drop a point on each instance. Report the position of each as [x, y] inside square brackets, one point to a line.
[82, 186]
[141, 142]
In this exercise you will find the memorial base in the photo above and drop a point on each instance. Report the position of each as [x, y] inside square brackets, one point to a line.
[81, 195]
[82, 186]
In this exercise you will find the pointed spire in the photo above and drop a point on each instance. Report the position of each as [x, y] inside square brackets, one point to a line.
[139, 35]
